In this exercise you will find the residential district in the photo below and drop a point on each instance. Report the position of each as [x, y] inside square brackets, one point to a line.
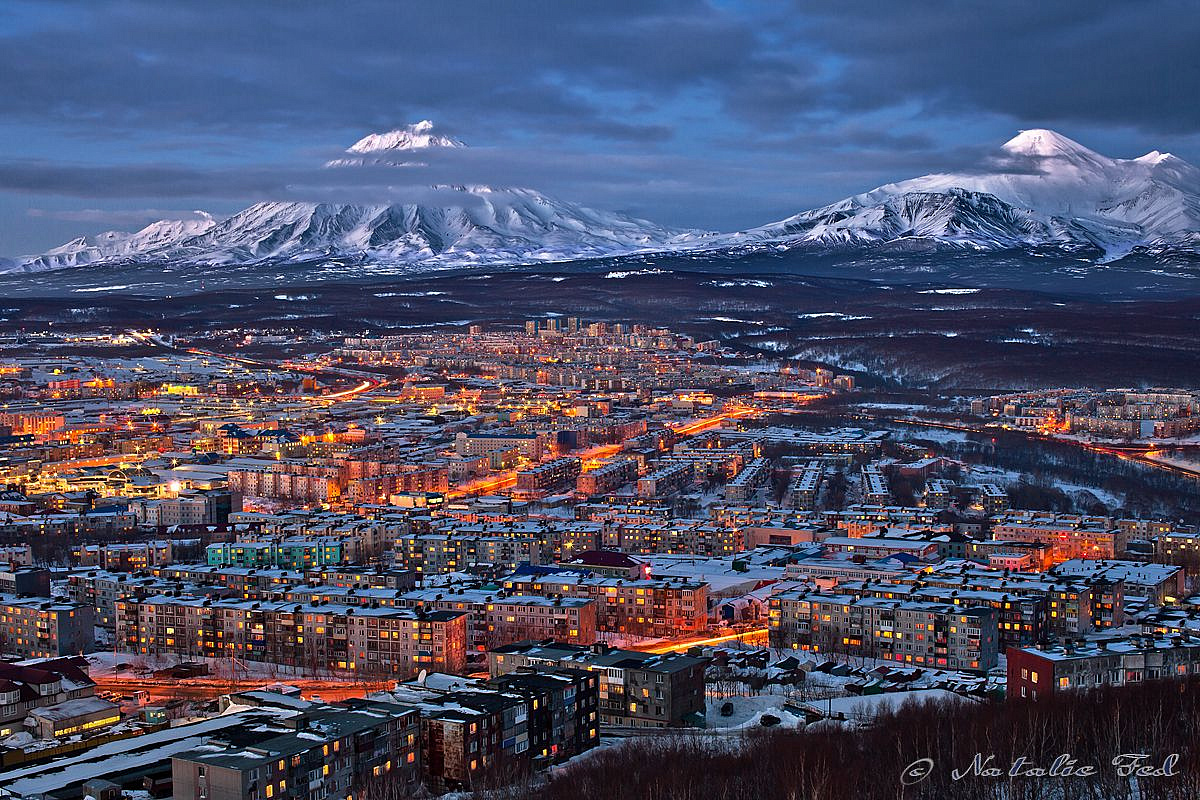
[262, 563]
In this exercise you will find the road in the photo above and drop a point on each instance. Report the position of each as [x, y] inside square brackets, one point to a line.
[367, 383]
[754, 636]
[715, 421]
[1131, 453]
[209, 688]
[506, 480]
[332, 689]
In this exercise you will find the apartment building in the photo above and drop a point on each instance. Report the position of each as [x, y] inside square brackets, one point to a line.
[991, 498]
[36, 627]
[748, 481]
[529, 445]
[16, 555]
[101, 590]
[1068, 536]
[804, 485]
[665, 480]
[636, 689]
[474, 731]
[248, 583]
[861, 520]
[1021, 620]
[124, 556]
[298, 483]
[321, 754]
[318, 637]
[295, 554]
[1178, 547]
[651, 535]
[1157, 583]
[537, 481]
[875, 489]
[495, 617]
[652, 608]
[1074, 604]
[202, 507]
[362, 577]
[438, 553]
[607, 478]
[938, 493]
[25, 581]
[1036, 672]
[926, 634]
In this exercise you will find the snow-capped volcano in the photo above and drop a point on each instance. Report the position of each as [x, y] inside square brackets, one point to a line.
[463, 225]
[411, 137]
[1040, 189]
[444, 226]
[381, 148]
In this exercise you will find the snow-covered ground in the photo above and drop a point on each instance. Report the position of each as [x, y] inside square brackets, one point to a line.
[1187, 461]
[748, 712]
[940, 435]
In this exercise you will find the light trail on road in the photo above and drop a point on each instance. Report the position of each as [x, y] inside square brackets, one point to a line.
[753, 636]
[508, 479]
[1125, 454]
[209, 688]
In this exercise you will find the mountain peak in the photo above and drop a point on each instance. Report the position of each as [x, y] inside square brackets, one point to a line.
[1157, 157]
[1043, 143]
[417, 136]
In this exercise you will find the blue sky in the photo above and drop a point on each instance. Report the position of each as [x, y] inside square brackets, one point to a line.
[717, 115]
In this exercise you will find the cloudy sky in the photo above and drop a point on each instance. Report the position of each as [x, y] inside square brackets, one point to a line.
[718, 115]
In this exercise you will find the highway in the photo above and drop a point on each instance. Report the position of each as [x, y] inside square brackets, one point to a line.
[507, 479]
[753, 636]
[1131, 453]
[209, 688]
[367, 382]
[336, 689]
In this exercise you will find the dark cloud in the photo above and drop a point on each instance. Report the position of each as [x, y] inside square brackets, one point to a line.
[1093, 62]
[137, 217]
[244, 66]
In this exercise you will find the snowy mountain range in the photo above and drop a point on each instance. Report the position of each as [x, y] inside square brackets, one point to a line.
[451, 226]
[1042, 190]
[478, 224]
[117, 245]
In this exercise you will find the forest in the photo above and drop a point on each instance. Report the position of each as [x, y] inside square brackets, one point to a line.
[1112, 743]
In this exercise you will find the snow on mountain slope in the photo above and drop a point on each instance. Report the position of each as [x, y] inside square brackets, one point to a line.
[378, 146]
[956, 215]
[1042, 188]
[115, 245]
[461, 225]
[411, 137]
[468, 225]
[472, 225]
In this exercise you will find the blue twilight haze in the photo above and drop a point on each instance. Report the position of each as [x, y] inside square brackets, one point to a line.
[717, 115]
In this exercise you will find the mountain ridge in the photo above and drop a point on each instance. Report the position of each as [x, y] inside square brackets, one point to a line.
[1041, 189]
